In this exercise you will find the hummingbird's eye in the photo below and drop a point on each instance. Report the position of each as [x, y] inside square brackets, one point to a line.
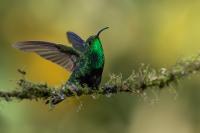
[90, 42]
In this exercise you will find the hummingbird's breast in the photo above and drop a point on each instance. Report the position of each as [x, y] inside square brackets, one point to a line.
[96, 54]
[96, 59]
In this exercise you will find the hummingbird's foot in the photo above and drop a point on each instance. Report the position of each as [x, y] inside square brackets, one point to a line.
[56, 98]
[72, 87]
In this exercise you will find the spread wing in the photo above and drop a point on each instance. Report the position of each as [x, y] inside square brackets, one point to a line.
[56, 53]
[76, 41]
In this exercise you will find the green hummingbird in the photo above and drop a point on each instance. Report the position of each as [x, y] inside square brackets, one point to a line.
[85, 59]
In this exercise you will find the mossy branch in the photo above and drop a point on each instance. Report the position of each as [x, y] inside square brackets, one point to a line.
[145, 78]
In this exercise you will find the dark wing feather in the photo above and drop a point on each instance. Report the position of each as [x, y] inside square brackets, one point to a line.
[56, 53]
[76, 41]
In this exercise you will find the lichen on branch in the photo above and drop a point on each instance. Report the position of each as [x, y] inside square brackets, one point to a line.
[145, 78]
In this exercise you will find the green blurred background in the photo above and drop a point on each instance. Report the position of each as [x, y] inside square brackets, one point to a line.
[155, 32]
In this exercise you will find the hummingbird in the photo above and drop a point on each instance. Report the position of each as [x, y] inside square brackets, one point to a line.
[85, 59]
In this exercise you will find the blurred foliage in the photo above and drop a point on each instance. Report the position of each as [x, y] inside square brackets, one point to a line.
[142, 31]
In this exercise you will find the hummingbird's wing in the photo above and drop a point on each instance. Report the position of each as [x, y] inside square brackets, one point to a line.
[56, 53]
[76, 41]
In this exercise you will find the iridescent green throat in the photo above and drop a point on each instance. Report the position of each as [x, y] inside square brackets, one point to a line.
[97, 54]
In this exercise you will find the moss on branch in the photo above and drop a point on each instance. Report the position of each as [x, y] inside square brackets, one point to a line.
[145, 78]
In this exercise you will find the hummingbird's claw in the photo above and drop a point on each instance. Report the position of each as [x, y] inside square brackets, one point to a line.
[55, 98]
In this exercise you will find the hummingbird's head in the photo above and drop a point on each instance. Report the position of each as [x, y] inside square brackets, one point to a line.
[94, 38]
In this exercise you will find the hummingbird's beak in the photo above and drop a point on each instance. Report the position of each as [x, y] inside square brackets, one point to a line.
[101, 31]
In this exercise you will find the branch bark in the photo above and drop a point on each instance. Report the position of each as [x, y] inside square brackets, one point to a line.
[145, 78]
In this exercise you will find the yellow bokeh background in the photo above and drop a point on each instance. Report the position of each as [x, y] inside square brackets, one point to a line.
[141, 31]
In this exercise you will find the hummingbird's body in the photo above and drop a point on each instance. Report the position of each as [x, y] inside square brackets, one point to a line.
[89, 67]
[85, 59]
